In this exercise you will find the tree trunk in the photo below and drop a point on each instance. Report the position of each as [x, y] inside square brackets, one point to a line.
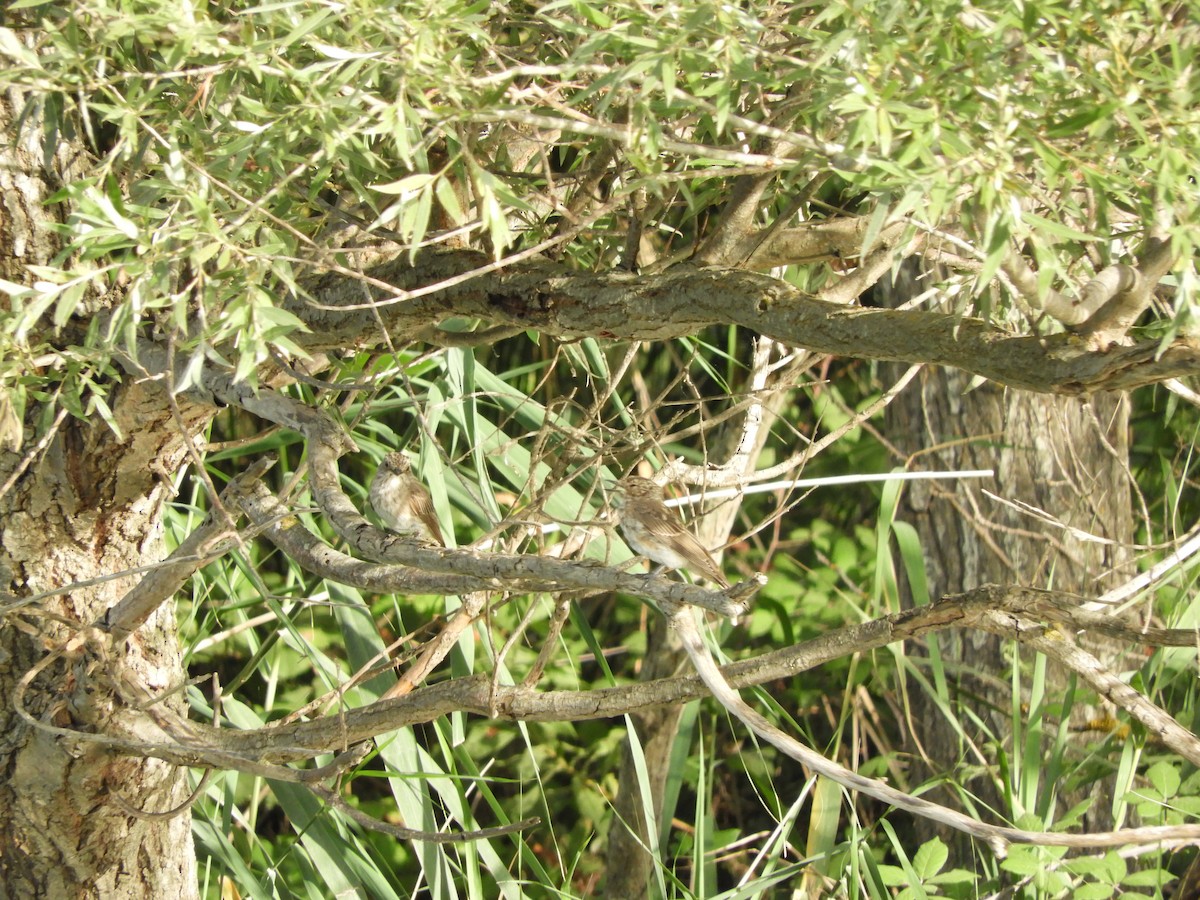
[83, 504]
[630, 864]
[1066, 457]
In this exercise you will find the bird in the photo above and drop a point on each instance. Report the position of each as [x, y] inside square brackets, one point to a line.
[402, 503]
[654, 531]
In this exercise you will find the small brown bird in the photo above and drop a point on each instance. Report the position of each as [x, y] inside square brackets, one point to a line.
[657, 532]
[402, 503]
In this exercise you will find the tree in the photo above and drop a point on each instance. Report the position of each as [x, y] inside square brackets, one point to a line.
[531, 247]
[1067, 458]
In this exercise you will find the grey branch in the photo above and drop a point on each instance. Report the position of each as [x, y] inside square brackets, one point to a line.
[327, 443]
[477, 695]
[1122, 296]
[565, 303]
[208, 541]
[999, 838]
[1015, 612]
[1109, 304]
[1052, 643]
[315, 556]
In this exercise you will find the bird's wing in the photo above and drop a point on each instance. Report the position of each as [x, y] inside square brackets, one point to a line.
[423, 508]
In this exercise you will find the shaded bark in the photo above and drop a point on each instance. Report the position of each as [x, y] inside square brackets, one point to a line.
[630, 864]
[1067, 457]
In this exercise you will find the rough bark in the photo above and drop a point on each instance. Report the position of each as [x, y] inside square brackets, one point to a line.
[561, 302]
[87, 504]
[1068, 457]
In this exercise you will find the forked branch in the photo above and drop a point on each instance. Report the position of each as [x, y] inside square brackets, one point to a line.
[999, 838]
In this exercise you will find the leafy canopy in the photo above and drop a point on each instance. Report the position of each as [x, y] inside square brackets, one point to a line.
[224, 134]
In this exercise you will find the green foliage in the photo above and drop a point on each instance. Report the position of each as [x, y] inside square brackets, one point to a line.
[226, 136]
[923, 875]
[824, 570]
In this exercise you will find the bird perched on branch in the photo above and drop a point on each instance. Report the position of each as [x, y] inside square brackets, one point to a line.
[402, 503]
[657, 532]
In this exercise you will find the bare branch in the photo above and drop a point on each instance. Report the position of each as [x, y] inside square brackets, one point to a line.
[1123, 296]
[208, 541]
[521, 703]
[999, 838]
[315, 556]
[1052, 643]
[1109, 304]
[1055, 304]
[862, 279]
[437, 649]
[327, 442]
[149, 730]
[566, 303]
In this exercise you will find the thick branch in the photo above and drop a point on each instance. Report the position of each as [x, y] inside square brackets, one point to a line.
[315, 556]
[1109, 304]
[723, 245]
[565, 303]
[1126, 295]
[478, 695]
[826, 239]
[288, 741]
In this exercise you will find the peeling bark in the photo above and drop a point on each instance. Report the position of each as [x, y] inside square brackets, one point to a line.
[89, 505]
[86, 510]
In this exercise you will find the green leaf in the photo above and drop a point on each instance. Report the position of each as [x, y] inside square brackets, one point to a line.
[97, 404]
[26, 4]
[1056, 229]
[893, 876]
[1094, 891]
[879, 216]
[449, 201]
[113, 216]
[68, 302]
[929, 858]
[997, 247]
[1165, 778]
[410, 184]
[1070, 125]
[1156, 878]
[1024, 861]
